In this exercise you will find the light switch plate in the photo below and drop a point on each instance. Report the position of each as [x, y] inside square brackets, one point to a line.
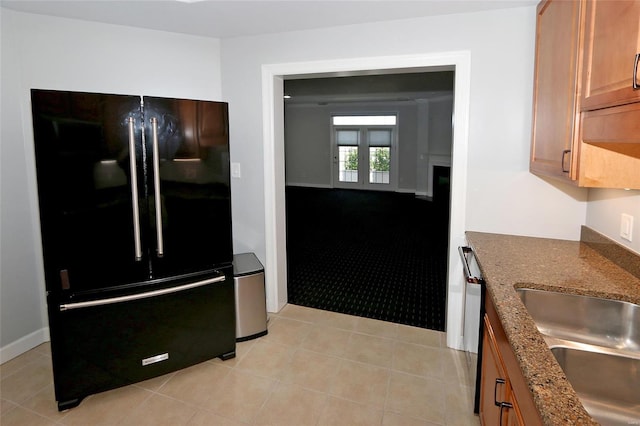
[235, 170]
[626, 226]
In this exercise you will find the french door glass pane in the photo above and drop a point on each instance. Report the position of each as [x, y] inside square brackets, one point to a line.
[379, 158]
[348, 163]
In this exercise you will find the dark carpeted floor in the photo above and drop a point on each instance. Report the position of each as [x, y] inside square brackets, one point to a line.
[373, 254]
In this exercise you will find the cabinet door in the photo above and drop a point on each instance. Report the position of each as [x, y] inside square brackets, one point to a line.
[494, 380]
[612, 46]
[514, 415]
[498, 405]
[610, 152]
[556, 89]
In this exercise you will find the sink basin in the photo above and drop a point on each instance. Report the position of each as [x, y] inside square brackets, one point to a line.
[608, 385]
[597, 344]
[602, 322]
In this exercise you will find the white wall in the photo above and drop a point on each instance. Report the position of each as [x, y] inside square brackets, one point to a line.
[439, 139]
[54, 53]
[502, 196]
[500, 45]
[308, 141]
[307, 148]
[605, 208]
[22, 314]
[440, 119]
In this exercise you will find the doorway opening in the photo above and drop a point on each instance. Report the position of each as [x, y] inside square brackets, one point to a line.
[364, 236]
[273, 76]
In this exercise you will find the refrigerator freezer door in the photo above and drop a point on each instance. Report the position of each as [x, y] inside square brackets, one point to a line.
[101, 347]
[88, 212]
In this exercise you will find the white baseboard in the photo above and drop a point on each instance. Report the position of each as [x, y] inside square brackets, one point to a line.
[24, 344]
[309, 185]
[325, 186]
[406, 190]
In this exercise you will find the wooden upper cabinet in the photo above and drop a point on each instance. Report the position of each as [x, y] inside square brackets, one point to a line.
[610, 103]
[586, 105]
[556, 89]
[611, 53]
[610, 149]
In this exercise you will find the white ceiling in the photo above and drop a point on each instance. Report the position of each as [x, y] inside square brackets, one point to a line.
[224, 19]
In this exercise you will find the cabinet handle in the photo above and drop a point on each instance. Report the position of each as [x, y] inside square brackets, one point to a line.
[636, 85]
[504, 405]
[564, 153]
[499, 381]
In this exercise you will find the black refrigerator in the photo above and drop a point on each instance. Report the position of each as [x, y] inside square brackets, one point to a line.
[135, 215]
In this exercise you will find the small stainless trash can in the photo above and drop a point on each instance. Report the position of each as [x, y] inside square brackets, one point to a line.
[251, 303]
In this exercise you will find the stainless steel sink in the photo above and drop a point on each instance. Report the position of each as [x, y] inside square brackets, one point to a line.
[608, 385]
[597, 344]
[602, 322]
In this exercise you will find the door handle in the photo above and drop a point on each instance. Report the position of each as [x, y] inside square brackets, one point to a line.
[134, 191]
[156, 186]
[463, 251]
[154, 293]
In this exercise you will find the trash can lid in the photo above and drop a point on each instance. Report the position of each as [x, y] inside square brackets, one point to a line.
[246, 264]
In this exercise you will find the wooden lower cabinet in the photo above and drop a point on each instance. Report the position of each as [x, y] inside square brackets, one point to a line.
[496, 397]
[504, 397]
[515, 415]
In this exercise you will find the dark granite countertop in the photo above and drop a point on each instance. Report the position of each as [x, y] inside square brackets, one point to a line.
[508, 262]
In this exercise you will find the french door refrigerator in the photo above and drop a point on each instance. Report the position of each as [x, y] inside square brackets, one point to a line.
[135, 216]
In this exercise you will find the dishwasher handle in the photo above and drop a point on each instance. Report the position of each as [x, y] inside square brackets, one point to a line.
[464, 252]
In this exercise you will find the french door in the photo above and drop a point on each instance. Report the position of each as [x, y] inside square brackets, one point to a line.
[364, 157]
[130, 188]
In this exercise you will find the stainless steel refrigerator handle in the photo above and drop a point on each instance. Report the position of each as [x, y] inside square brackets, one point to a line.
[134, 190]
[156, 186]
[120, 299]
[465, 264]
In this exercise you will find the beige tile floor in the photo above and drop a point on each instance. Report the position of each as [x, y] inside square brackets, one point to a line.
[313, 368]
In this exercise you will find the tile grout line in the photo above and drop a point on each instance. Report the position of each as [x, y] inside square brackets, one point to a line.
[298, 348]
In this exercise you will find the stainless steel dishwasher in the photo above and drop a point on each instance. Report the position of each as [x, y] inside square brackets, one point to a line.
[473, 312]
